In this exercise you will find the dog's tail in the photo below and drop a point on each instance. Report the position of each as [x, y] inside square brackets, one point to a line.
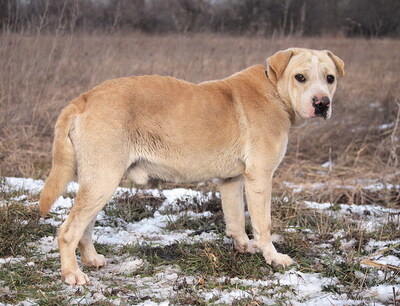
[64, 159]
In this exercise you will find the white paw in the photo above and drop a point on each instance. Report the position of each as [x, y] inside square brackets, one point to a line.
[245, 247]
[277, 259]
[75, 278]
[96, 261]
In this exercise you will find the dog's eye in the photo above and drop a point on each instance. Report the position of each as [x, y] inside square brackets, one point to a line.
[330, 79]
[300, 78]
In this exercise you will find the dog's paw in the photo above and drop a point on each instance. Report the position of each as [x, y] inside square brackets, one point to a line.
[244, 246]
[278, 259]
[75, 278]
[95, 261]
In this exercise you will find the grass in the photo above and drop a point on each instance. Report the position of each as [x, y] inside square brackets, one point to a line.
[133, 207]
[40, 73]
[198, 204]
[213, 222]
[308, 226]
[206, 259]
[200, 267]
[21, 281]
[387, 197]
[20, 226]
[56, 68]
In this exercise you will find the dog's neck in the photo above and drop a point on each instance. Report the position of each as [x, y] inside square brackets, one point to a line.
[294, 119]
[261, 82]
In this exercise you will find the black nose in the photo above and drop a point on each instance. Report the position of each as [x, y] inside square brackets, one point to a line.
[321, 105]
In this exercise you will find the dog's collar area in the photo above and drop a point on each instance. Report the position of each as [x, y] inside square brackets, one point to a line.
[291, 112]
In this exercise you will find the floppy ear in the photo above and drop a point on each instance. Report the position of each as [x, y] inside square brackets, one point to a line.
[277, 63]
[338, 63]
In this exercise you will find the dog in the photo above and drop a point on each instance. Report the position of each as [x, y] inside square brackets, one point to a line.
[235, 129]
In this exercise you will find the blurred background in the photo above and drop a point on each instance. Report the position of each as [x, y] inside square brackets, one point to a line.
[53, 50]
[351, 18]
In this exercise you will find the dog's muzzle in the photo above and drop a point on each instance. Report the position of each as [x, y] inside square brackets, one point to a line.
[321, 106]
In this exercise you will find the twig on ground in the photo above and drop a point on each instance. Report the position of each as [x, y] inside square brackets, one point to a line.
[369, 262]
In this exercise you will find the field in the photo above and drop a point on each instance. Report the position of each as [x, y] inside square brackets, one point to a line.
[350, 163]
[168, 247]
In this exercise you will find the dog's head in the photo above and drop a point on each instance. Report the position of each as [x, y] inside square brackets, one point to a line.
[306, 78]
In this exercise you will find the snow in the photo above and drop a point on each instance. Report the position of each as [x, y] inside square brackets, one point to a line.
[128, 266]
[151, 229]
[327, 165]
[303, 288]
[27, 303]
[383, 293]
[34, 186]
[11, 260]
[375, 104]
[46, 244]
[386, 126]
[370, 217]
[150, 303]
[372, 244]
[354, 209]
[389, 260]
[306, 284]
[229, 297]
[357, 184]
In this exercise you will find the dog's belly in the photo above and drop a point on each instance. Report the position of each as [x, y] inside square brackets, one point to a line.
[185, 171]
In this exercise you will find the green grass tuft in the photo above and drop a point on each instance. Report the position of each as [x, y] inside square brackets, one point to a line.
[133, 208]
[19, 225]
[207, 259]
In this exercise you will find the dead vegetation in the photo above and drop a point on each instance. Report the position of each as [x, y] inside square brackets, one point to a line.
[131, 208]
[19, 227]
[332, 241]
[40, 74]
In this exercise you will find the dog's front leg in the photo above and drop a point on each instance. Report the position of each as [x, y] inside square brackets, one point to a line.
[258, 186]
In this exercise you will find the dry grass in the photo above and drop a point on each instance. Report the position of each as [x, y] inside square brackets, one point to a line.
[41, 74]
[333, 242]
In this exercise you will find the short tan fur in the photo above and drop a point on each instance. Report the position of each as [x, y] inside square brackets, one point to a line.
[235, 130]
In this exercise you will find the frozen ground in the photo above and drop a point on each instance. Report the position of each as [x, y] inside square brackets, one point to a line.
[328, 269]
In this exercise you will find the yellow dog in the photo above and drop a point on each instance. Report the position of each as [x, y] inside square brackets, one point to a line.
[235, 129]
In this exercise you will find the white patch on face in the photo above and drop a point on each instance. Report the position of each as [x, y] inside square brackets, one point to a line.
[329, 113]
[315, 69]
[317, 87]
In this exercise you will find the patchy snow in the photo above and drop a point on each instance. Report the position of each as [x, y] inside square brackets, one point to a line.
[227, 297]
[11, 260]
[369, 217]
[151, 229]
[293, 287]
[386, 126]
[128, 266]
[308, 285]
[16, 183]
[357, 184]
[354, 209]
[389, 260]
[383, 293]
[372, 244]
[46, 245]
[327, 165]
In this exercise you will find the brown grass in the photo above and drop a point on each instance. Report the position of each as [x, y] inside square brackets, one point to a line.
[40, 74]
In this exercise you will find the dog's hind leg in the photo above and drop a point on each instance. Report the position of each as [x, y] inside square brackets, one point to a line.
[233, 207]
[97, 185]
[88, 252]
